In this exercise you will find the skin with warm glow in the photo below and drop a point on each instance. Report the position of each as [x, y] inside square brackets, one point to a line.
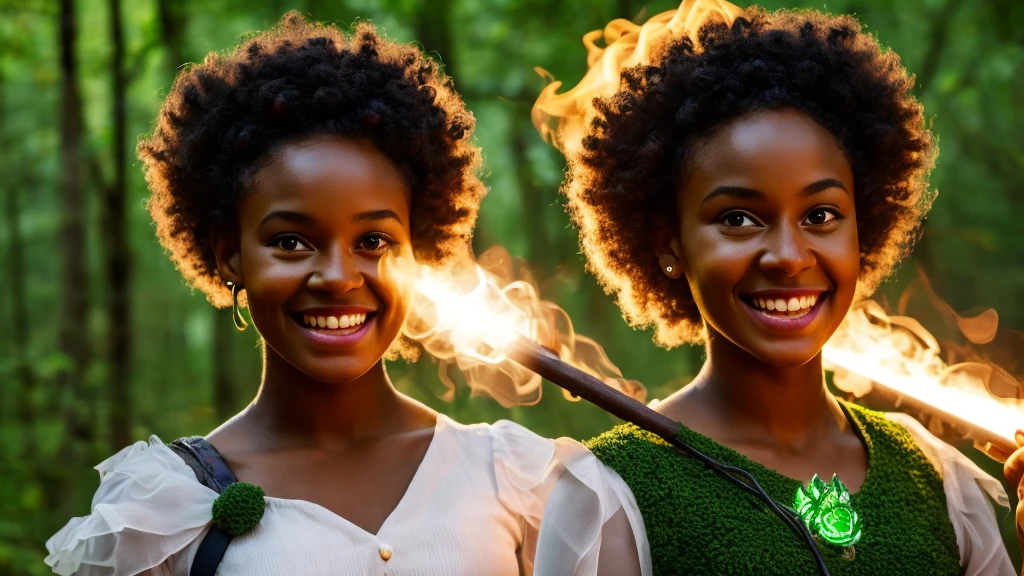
[315, 233]
[311, 247]
[766, 212]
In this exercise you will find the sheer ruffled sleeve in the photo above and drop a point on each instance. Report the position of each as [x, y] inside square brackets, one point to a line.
[591, 524]
[974, 521]
[148, 507]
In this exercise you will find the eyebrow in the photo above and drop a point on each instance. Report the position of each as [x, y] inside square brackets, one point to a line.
[288, 216]
[376, 215]
[300, 218]
[751, 194]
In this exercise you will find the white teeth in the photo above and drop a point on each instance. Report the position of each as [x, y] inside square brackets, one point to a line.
[333, 322]
[793, 304]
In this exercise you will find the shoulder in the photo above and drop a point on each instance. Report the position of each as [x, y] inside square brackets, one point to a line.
[503, 440]
[627, 442]
[956, 469]
[148, 506]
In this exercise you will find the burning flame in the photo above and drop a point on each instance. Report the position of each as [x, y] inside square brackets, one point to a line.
[873, 349]
[561, 118]
[469, 316]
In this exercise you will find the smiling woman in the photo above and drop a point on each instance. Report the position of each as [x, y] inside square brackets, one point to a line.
[296, 175]
[741, 178]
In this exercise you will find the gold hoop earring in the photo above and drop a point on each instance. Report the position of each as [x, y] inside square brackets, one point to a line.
[236, 312]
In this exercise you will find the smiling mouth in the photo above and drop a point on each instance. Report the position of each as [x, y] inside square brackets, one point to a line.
[785, 308]
[344, 324]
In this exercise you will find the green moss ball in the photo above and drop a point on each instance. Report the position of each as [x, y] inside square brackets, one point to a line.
[239, 508]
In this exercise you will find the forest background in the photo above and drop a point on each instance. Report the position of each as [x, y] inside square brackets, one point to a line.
[102, 344]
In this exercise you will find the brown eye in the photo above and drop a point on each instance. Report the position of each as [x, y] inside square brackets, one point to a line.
[289, 244]
[374, 243]
[737, 220]
[820, 216]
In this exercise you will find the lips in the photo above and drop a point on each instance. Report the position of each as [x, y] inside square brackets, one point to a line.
[785, 309]
[334, 320]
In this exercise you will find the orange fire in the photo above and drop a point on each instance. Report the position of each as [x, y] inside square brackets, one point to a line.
[469, 316]
[896, 352]
[561, 117]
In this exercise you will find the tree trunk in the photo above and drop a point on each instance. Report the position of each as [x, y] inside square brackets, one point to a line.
[534, 217]
[172, 32]
[19, 306]
[434, 32]
[118, 253]
[73, 325]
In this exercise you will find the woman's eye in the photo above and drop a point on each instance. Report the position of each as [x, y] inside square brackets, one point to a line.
[820, 216]
[737, 220]
[373, 243]
[289, 244]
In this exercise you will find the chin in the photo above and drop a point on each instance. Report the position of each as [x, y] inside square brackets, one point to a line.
[335, 372]
[785, 355]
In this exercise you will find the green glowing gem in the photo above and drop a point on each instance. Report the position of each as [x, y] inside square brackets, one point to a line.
[825, 509]
[239, 508]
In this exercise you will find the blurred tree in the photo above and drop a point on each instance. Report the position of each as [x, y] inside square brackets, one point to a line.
[118, 245]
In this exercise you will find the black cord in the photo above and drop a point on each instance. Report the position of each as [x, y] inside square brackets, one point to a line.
[737, 476]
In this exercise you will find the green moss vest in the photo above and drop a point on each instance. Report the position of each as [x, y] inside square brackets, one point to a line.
[699, 523]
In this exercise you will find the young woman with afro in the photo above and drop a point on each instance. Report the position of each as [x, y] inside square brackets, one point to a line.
[740, 180]
[296, 174]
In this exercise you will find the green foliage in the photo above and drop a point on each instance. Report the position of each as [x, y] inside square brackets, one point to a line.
[190, 369]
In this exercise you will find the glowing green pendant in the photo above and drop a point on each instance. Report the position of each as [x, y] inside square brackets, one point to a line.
[825, 509]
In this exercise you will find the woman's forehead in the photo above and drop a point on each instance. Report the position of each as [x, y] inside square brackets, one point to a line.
[767, 149]
[330, 176]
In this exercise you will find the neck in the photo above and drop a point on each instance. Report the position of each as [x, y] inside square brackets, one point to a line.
[292, 408]
[759, 402]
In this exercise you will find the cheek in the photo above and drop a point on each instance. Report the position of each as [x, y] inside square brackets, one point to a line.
[713, 264]
[393, 282]
[270, 280]
[843, 257]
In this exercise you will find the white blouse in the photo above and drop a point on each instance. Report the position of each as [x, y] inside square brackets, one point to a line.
[567, 546]
[473, 507]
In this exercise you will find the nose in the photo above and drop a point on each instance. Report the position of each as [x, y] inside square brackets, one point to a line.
[789, 250]
[336, 272]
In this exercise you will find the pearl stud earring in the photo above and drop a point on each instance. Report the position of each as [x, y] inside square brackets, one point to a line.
[668, 269]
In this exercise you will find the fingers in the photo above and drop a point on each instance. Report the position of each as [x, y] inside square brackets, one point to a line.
[994, 452]
[1013, 468]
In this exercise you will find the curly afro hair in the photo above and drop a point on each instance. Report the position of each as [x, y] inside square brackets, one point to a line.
[225, 117]
[626, 174]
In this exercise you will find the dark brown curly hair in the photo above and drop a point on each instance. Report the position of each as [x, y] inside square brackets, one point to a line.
[639, 142]
[225, 117]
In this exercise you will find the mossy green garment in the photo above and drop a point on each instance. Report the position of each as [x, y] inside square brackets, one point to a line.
[700, 523]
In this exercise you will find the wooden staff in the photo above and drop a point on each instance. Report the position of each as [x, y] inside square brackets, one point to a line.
[539, 359]
[549, 366]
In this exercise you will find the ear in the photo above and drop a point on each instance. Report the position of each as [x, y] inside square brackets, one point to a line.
[667, 247]
[229, 257]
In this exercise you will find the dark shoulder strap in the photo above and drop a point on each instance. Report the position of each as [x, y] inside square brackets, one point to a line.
[212, 472]
[205, 461]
